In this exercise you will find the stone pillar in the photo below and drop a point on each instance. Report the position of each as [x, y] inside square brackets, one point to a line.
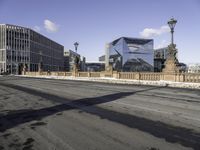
[89, 74]
[109, 71]
[24, 70]
[137, 76]
[75, 71]
[171, 65]
[116, 74]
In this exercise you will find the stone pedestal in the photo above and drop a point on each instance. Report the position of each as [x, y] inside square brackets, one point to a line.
[75, 70]
[24, 71]
[171, 65]
[109, 71]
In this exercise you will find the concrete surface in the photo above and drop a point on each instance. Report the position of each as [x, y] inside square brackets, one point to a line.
[48, 114]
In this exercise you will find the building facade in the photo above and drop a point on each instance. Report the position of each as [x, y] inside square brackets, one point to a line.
[95, 66]
[160, 55]
[194, 68]
[22, 48]
[70, 58]
[130, 54]
[102, 58]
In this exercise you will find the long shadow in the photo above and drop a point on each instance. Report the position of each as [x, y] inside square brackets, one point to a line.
[170, 133]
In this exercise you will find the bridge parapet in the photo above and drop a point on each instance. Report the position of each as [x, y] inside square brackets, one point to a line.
[149, 76]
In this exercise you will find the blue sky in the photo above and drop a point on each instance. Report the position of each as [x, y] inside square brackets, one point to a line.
[93, 23]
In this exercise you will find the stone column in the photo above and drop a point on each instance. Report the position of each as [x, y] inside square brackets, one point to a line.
[75, 70]
[109, 71]
[171, 65]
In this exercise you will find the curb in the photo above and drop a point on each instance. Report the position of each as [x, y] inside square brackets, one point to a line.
[160, 83]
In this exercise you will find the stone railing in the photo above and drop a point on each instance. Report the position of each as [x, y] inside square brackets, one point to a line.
[192, 77]
[141, 76]
[83, 74]
[129, 75]
[151, 76]
[95, 74]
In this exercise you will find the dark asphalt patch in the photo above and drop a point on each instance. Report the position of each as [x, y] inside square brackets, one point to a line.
[28, 141]
[152, 148]
[60, 113]
[14, 145]
[6, 135]
[38, 124]
[28, 147]
[28, 144]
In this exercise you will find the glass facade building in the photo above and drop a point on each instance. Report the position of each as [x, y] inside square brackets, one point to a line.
[22, 48]
[130, 54]
[160, 55]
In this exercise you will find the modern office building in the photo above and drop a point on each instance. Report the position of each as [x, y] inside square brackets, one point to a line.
[95, 66]
[22, 48]
[130, 54]
[160, 56]
[70, 58]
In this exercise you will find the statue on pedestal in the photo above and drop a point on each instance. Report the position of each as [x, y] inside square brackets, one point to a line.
[171, 64]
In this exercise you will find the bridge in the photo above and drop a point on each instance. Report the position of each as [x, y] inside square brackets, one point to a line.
[62, 114]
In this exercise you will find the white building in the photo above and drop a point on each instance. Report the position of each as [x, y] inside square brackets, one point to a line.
[194, 68]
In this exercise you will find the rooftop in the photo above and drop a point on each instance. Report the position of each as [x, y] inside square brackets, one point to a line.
[130, 40]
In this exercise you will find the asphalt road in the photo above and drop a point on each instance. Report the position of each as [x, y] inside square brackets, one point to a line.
[44, 114]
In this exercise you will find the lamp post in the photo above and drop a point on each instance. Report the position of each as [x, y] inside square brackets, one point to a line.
[171, 63]
[172, 22]
[76, 46]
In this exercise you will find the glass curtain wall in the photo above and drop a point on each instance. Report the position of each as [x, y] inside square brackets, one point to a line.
[131, 54]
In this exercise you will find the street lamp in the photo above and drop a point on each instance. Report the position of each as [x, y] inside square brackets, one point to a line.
[171, 63]
[76, 46]
[172, 22]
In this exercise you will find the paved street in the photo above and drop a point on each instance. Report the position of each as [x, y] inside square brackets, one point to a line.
[45, 114]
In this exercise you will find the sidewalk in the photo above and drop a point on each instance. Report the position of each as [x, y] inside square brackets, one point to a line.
[124, 81]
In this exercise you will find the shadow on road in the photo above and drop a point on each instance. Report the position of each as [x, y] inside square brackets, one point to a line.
[173, 134]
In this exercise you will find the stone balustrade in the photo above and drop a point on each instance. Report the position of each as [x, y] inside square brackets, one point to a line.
[149, 76]
[192, 77]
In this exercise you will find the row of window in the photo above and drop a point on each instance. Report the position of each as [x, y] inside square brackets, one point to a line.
[2, 55]
[3, 37]
[36, 67]
[37, 58]
[34, 36]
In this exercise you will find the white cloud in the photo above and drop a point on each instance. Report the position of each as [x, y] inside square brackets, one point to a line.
[150, 32]
[163, 43]
[50, 26]
[37, 28]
